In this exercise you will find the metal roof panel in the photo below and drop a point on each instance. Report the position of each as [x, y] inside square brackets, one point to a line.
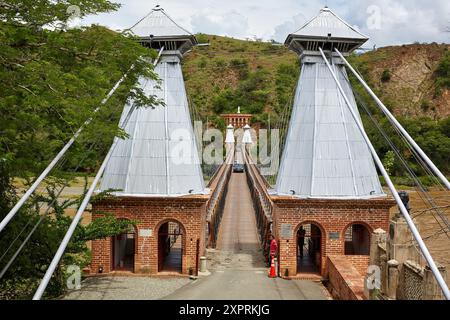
[325, 154]
[150, 162]
[328, 22]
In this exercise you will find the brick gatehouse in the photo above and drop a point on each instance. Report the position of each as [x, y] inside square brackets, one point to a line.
[154, 176]
[333, 227]
[328, 197]
[150, 240]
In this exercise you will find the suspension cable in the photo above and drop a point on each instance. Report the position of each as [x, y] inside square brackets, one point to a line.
[42, 218]
[391, 186]
[419, 187]
[62, 247]
[396, 123]
[58, 157]
[415, 155]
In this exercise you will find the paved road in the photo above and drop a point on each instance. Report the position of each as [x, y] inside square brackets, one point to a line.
[237, 267]
[126, 288]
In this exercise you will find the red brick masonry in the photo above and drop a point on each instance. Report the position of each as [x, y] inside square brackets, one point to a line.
[333, 217]
[360, 263]
[151, 213]
[346, 283]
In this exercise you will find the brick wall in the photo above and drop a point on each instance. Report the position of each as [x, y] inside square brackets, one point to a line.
[333, 217]
[345, 282]
[361, 263]
[151, 213]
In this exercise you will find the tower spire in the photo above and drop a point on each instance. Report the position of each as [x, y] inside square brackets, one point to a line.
[325, 155]
[161, 156]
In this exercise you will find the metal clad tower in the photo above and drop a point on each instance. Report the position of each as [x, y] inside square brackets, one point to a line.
[325, 155]
[247, 138]
[160, 157]
[230, 134]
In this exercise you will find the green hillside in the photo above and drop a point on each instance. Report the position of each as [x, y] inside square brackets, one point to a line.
[259, 77]
[412, 80]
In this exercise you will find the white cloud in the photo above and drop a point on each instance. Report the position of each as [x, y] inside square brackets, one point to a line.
[402, 21]
[231, 23]
[282, 30]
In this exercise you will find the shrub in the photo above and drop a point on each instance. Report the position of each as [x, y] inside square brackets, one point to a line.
[442, 74]
[202, 38]
[220, 63]
[386, 75]
[202, 63]
[241, 66]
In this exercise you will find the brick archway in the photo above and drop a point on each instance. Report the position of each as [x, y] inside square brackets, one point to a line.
[124, 248]
[171, 246]
[356, 239]
[312, 264]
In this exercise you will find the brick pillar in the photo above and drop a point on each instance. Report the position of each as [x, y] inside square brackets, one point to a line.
[287, 254]
[101, 255]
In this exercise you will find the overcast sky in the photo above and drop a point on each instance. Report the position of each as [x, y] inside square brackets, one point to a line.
[386, 22]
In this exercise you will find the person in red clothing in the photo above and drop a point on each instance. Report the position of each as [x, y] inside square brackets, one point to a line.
[273, 247]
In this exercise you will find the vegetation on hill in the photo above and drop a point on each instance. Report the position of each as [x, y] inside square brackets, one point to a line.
[443, 74]
[259, 77]
[412, 80]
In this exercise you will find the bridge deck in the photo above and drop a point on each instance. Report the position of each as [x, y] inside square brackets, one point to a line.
[238, 226]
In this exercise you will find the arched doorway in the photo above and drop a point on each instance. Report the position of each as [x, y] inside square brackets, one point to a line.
[170, 247]
[123, 250]
[309, 248]
[357, 240]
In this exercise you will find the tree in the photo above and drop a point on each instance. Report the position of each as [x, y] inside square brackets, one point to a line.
[388, 161]
[386, 75]
[23, 276]
[51, 81]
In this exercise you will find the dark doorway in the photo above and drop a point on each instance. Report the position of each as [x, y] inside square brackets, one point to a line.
[170, 247]
[123, 249]
[309, 254]
[357, 240]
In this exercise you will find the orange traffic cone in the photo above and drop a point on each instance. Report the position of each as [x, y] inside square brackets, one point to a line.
[272, 273]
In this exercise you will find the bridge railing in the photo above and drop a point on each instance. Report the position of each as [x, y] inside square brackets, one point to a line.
[215, 205]
[262, 202]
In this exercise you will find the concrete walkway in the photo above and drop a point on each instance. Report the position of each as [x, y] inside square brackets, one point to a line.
[248, 285]
[237, 267]
[126, 288]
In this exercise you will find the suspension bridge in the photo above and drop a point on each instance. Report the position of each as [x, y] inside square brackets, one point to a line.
[326, 210]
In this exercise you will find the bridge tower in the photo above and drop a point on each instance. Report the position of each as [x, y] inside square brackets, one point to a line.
[156, 170]
[328, 198]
